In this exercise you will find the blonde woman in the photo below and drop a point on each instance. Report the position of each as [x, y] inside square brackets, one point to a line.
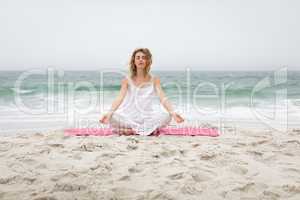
[132, 111]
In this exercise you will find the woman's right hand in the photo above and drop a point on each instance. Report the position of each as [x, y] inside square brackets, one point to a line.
[177, 118]
[105, 118]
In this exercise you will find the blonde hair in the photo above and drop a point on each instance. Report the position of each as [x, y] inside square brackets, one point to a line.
[132, 67]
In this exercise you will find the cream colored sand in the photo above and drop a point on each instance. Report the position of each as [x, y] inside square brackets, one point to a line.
[240, 164]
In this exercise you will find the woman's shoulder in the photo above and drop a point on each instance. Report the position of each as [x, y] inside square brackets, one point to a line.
[124, 81]
[156, 79]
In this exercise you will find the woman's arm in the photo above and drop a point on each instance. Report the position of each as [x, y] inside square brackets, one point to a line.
[162, 96]
[116, 103]
[165, 102]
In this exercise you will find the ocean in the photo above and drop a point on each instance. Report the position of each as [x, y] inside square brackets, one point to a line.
[53, 99]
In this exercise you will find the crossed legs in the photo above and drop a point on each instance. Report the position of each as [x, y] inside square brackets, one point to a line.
[121, 125]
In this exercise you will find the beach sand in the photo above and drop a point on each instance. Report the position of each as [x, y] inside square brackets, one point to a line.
[239, 164]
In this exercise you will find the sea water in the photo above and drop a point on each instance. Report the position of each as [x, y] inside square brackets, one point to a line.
[54, 99]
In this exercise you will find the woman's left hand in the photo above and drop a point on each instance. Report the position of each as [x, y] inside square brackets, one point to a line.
[177, 117]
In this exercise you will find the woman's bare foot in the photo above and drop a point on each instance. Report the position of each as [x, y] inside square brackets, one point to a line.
[126, 131]
[155, 133]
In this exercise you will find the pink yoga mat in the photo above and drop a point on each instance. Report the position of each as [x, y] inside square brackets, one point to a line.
[186, 131]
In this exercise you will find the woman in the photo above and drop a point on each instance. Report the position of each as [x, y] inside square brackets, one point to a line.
[132, 112]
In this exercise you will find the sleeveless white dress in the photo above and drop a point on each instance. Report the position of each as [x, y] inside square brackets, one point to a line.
[140, 110]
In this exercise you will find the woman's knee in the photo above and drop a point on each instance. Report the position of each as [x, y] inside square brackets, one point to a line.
[166, 119]
[117, 121]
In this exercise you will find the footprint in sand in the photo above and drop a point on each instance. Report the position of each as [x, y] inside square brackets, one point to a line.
[108, 155]
[176, 176]
[195, 145]
[260, 142]
[287, 144]
[168, 153]
[16, 179]
[155, 156]
[290, 169]
[269, 195]
[9, 180]
[17, 167]
[132, 140]
[38, 135]
[244, 188]
[56, 145]
[202, 175]
[95, 167]
[68, 187]
[182, 152]
[68, 175]
[135, 169]
[76, 156]
[295, 142]
[239, 170]
[295, 189]
[29, 180]
[289, 154]
[41, 166]
[296, 131]
[158, 195]
[190, 188]
[207, 155]
[5, 146]
[107, 167]
[45, 198]
[250, 186]
[124, 178]
[132, 146]
[44, 151]
[255, 153]
[29, 161]
[240, 144]
[90, 147]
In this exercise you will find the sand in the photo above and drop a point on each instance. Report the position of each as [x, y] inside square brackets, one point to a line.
[239, 164]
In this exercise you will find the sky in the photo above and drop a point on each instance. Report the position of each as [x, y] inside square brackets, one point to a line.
[199, 34]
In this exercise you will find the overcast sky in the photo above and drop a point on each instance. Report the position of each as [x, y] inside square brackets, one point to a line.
[203, 34]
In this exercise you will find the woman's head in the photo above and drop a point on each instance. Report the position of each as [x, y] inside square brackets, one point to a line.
[141, 58]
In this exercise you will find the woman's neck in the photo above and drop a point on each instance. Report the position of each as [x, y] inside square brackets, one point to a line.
[140, 74]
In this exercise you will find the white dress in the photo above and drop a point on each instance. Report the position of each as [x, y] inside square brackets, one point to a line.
[138, 111]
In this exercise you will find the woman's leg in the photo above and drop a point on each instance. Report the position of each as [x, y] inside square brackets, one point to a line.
[126, 131]
[120, 125]
[162, 120]
[166, 118]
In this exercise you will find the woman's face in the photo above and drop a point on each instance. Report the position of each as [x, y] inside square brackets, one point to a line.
[140, 60]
